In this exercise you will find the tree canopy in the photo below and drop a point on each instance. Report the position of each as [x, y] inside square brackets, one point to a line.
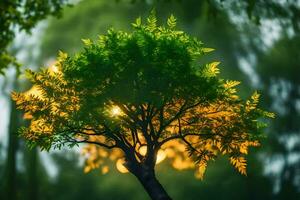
[19, 15]
[133, 95]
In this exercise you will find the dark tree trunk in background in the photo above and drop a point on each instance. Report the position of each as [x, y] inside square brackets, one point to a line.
[32, 164]
[10, 182]
[152, 186]
[10, 173]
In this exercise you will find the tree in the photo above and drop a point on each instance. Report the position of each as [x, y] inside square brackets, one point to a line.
[18, 15]
[278, 69]
[22, 15]
[134, 95]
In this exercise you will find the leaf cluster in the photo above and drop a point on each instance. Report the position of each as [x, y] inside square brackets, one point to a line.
[166, 100]
[22, 16]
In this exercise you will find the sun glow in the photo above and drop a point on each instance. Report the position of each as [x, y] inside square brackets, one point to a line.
[53, 69]
[115, 111]
[34, 91]
[143, 150]
[120, 166]
[161, 155]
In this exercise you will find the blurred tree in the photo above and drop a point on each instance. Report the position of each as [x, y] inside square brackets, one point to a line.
[287, 12]
[138, 96]
[97, 185]
[9, 180]
[279, 71]
[97, 16]
[18, 15]
[32, 173]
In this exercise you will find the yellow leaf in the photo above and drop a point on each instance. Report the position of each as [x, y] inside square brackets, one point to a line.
[14, 96]
[87, 42]
[255, 97]
[213, 68]
[231, 84]
[62, 56]
[27, 115]
[269, 114]
[201, 170]
[207, 50]
[239, 163]
[244, 149]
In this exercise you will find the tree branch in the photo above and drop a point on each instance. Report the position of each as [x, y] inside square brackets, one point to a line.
[93, 142]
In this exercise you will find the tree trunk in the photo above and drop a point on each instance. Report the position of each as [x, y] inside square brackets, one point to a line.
[152, 186]
[10, 173]
[32, 165]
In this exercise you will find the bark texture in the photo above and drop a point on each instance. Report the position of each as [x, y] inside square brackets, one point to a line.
[150, 183]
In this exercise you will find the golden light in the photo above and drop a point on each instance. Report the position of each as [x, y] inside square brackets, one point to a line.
[105, 169]
[120, 166]
[143, 150]
[161, 155]
[53, 68]
[200, 172]
[181, 163]
[115, 111]
[35, 91]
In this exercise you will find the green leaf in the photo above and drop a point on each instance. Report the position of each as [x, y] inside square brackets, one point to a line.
[138, 23]
[172, 22]
[206, 50]
[87, 42]
[62, 56]
[211, 69]
[269, 114]
[152, 21]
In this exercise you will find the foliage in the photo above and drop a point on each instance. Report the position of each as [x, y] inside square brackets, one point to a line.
[134, 95]
[18, 15]
[286, 12]
[279, 71]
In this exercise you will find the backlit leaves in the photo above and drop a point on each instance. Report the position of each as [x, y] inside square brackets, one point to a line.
[171, 22]
[151, 21]
[239, 163]
[211, 70]
[22, 16]
[231, 84]
[145, 91]
[62, 56]
[138, 23]
[87, 42]
[207, 50]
